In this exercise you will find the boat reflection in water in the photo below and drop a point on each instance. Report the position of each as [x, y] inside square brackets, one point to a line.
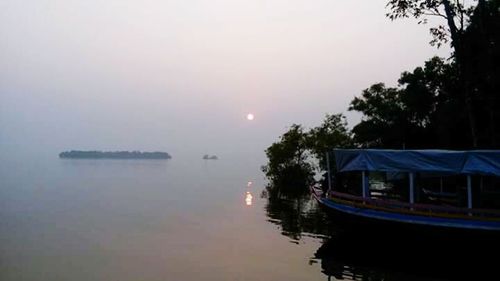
[349, 253]
[355, 255]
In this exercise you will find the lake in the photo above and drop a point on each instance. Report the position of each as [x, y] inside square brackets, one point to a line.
[184, 219]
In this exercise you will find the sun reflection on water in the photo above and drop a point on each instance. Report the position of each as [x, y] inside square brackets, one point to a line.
[248, 198]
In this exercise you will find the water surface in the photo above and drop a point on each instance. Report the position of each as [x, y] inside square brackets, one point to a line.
[192, 219]
[181, 219]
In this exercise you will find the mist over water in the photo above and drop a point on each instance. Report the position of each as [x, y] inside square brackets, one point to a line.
[179, 77]
[138, 219]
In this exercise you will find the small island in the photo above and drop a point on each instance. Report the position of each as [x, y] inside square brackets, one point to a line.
[208, 157]
[78, 154]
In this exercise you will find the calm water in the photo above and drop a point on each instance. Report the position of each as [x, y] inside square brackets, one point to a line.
[183, 219]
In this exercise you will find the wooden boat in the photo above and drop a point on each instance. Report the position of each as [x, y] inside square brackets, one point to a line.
[474, 171]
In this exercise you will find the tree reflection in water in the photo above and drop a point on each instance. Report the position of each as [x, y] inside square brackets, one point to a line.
[377, 253]
[295, 212]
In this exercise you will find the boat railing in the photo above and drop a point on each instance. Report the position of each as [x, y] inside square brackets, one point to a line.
[416, 208]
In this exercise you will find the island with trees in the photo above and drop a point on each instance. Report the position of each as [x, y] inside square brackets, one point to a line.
[78, 154]
[210, 157]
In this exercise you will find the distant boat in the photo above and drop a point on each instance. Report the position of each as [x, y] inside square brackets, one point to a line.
[78, 154]
[467, 203]
[210, 157]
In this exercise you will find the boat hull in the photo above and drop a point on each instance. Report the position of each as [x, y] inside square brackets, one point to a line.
[356, 216]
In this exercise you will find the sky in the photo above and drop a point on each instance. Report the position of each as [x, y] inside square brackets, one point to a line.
[181, 75]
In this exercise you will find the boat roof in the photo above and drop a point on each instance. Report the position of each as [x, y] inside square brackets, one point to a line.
[482, 162]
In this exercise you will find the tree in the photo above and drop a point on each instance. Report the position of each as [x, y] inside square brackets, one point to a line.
[332, 133]
[481, 42]
[473, 31]
[423, 111]
[455, 12]
[457, 17]
[293, 159]
[287, 167]
[383, 121]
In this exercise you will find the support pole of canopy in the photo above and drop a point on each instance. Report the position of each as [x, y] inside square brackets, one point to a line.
[365, 185]
[469, 192]
[329, 172]
[412, 187]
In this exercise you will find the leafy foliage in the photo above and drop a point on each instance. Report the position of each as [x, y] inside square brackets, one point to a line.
[293, 159]
[287, 167]
[332, 133]
[456, 13]
[290, 169]
[382, 111]
[419, 113]
[473, 31]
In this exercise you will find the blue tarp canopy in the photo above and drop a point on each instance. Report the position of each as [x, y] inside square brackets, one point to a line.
[482, 162]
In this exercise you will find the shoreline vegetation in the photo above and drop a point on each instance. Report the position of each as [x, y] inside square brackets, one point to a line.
[79, 154]
[447, 103]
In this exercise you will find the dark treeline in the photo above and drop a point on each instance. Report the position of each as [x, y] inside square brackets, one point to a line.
[448, 103]
[77, 154]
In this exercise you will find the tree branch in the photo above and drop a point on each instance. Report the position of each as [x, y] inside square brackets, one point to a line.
[451, 22]
[435, 14]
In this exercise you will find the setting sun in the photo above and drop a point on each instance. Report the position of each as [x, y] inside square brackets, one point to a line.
[250, 117]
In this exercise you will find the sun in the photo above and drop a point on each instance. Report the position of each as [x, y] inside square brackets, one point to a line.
[250, 117]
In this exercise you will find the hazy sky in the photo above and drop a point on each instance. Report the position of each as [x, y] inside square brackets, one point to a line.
[180, 76]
